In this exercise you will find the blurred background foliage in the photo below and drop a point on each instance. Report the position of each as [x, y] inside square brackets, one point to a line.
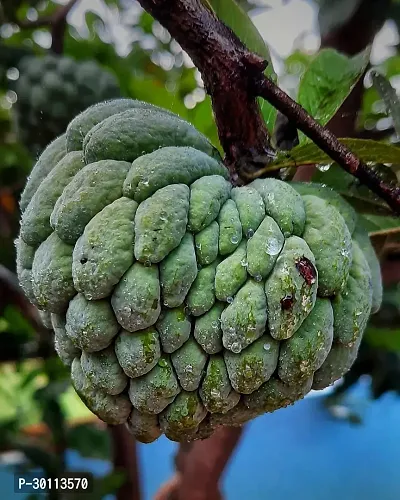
[40, 415]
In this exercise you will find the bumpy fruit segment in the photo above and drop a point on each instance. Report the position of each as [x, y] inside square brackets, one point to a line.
[182, 304]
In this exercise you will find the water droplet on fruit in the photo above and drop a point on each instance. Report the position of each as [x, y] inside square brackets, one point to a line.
[250, 233]
[147, 263]
[267, 347]
[272, 246]
[215, 394]
[235, 347]
[189, 369]
[247, 372]
[214, 324]
[270, 197]
[235, 239]
[244, 263]
[229, 300]
[258, 277]
[162, 363]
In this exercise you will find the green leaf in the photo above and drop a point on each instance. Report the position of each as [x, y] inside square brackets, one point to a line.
[389, 97]
[230, 13]
[327, 82]
[362, 198]
[381, 225]
[310, 154]
[240, 23]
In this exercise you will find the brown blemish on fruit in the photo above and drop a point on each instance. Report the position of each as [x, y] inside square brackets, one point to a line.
[307, 270]
[287, 302]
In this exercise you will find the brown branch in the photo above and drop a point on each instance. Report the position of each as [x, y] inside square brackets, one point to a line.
[58, 25]
[233, 77]
[328, 142]
[228, 70]
[125, 460]
[56, 21]
[199, 467]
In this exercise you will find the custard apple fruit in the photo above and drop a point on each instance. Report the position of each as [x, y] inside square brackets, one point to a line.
[182, 303]
[51, 91]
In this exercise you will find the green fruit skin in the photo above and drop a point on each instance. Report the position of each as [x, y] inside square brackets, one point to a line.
[207, 244]
[160, 223]
[334, 199]
[155, 390]
[136, 298]
[275, 394]
[85, 121]
[143, 426]
[304, 353]
[152, 171]
[207, 196]
[283, 204]
[230, 228]
[135, 132]
[189, 362]
[113, 410]
[251, 208]
[92, 189]
[174, 328]
[253, 366]
[25, 253]
[207, 329]
[54, 152]
[352, 307]
[62, 343]
[329, 239]
[52, 275]
[138, 352]
[338, 362]
[104, 253]
[216, 390]
[231, 274]
[91, 325]
[364, 242]
[244, 320]
[180, 420]
[290, 295]
[201, 296]
[35, 222]
[264, 248]
[103, 371]
[235, 417]
[178, 272]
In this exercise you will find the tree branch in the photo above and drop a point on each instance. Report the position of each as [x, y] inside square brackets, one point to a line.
[58, 25]
[328, 142]
[228, 70]
[56, 21]
[126, 461]
[234, 77]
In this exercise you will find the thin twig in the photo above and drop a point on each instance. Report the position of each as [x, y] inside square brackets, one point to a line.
[328, 142]
[56, 21]
[58, 25]
[233, 77]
